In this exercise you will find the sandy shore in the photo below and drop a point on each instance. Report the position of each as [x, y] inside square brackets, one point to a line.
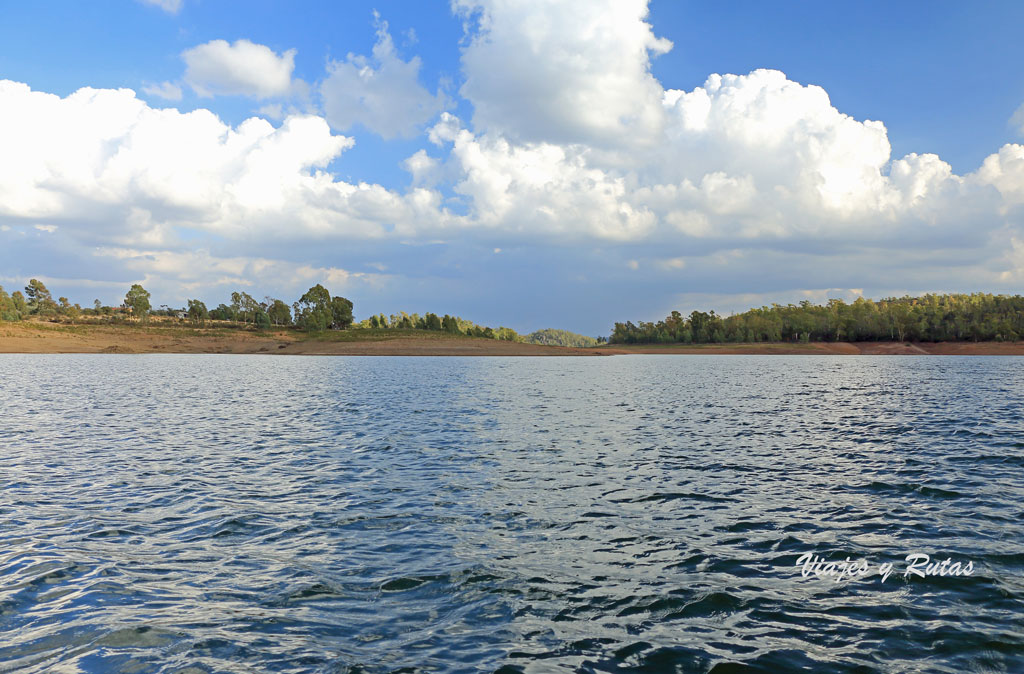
[36, 337]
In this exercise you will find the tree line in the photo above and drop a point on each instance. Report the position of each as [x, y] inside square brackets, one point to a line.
[429, 321]
[36, 300]
[315, 311]
[931, 318]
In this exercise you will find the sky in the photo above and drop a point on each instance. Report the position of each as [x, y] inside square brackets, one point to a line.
[519, 163]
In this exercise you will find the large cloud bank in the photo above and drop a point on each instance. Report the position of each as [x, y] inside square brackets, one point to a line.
[748, 182]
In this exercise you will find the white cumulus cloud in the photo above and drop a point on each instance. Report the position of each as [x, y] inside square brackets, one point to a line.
[563, 71]
[539, 188]
[779, 133]
[242, 68]
[105, 161]
[754, 157]
[382, 92]
[575, 163]
[1005, 171]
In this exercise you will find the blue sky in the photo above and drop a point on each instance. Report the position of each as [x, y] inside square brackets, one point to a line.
[544, 164]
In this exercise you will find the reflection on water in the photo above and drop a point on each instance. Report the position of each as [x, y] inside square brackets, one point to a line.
[233, 513]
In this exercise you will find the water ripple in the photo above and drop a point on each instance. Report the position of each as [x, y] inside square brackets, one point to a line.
[635, 514]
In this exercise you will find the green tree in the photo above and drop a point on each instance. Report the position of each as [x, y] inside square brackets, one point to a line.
[197, 312]
[236, 304]
[20, 304]
[250, 307]
[223, 313]
[8, 310]
[72, 311]
[900, 315]
[554, 337]
[449, 324]
[313, 311]
[244, 306]
[40, 301]
[137, 300]
[341, 313]
[279, 312]
[507, 334]
[35, 290]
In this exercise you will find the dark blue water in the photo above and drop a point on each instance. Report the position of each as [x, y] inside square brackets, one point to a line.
[627, 514]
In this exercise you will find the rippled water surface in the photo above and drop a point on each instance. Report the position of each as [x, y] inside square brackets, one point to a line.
[636, 513]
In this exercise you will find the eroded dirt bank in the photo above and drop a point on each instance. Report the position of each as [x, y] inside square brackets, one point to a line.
[36, 337]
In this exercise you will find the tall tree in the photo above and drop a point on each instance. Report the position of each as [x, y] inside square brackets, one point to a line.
[20, 304]
[279, 312]
[245, 306]
[40, 301]
[449, 324]
[8, 310]
[197, 312]
[341, 313]
[72, 311]
[260, 319]
[313, 311]
[137, 300]
[223, 313]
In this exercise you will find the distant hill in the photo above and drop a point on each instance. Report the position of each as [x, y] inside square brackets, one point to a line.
[552, 337]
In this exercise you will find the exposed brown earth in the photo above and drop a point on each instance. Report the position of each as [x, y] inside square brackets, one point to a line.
[172, 337]
[975, 348]
[834, 348]
[37, 337]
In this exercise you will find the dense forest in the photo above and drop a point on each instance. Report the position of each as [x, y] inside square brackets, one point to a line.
[931, 318]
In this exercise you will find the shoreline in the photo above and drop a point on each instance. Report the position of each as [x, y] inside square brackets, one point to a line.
[28, 337]
[833, 349]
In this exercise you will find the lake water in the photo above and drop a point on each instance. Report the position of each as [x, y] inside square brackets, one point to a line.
[626, 514]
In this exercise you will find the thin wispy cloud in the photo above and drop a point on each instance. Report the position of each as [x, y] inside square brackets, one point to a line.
[169, 6]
